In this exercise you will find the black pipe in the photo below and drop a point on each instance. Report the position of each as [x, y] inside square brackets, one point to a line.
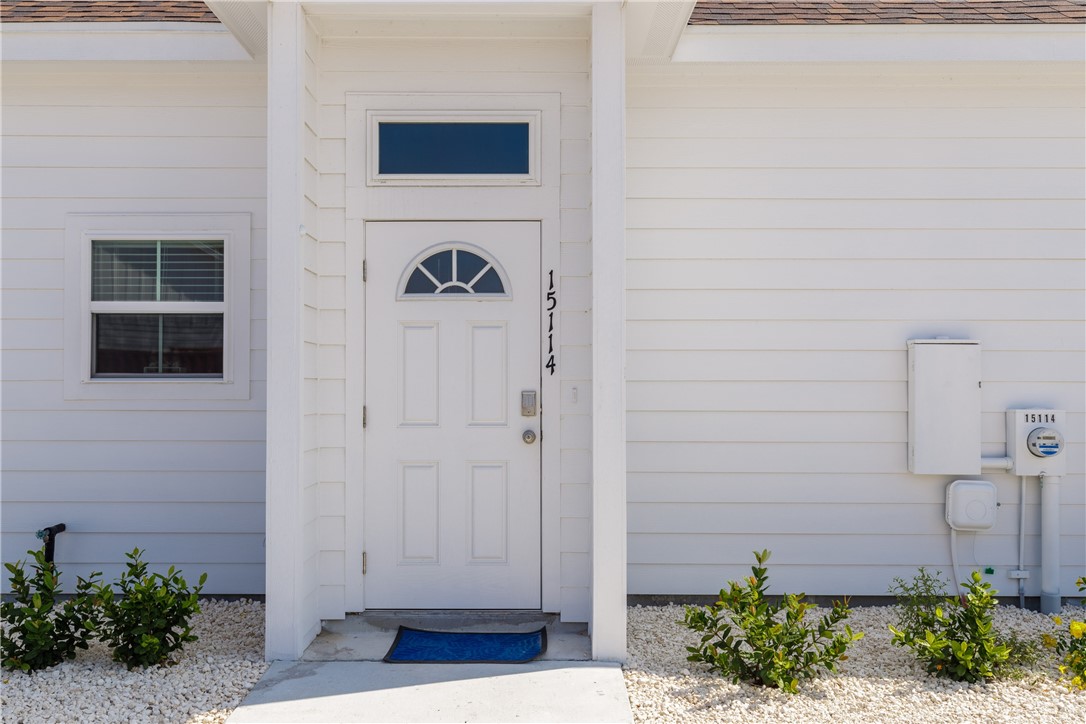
[48, 536]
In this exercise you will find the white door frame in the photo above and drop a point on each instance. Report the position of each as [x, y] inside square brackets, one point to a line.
[452, 203]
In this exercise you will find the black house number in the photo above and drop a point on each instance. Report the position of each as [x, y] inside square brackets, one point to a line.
[552, 302]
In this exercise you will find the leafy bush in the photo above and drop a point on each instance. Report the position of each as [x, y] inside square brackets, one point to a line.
[957, 640]
[745, 639]
[917, 599]
[1071, 644]
[150, 619]
[42, 632]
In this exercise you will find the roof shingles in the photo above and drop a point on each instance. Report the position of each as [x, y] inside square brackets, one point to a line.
[873, 12]
[111, 11]
[707, 12]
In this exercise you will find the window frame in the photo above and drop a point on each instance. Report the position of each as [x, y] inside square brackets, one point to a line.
[374, 119]
[233, 229]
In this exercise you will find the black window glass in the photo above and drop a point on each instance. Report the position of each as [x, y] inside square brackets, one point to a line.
[135, 345]
[453, 148]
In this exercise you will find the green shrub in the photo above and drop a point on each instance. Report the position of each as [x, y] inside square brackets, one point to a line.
[744, 638]
[149, 621]
[917, 599]
[41, 631]
[957, 639]
[1071, 645]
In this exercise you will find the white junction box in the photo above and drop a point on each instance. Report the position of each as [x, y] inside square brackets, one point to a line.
[1035, 441]
[971, 505]
[944, 406]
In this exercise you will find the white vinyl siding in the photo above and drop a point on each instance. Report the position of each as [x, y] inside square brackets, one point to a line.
[182, 478]
[788, 230]
[323, 407]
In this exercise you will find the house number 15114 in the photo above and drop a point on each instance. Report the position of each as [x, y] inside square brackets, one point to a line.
[552, 302]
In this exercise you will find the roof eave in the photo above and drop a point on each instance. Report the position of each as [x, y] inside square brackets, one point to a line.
[247, 20]
[153, 41]
[653, 29]
[1031, 42]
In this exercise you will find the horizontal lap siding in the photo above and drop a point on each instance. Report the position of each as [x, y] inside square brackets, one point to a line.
[324, 371]
[787, 235]
[182, 479]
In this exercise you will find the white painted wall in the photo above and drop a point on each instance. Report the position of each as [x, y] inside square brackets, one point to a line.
[183, 478]
[789, 228]
[450, 55]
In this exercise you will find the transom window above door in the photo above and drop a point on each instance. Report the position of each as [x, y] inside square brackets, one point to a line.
[453, 148]
[453, 270]
[461, 148]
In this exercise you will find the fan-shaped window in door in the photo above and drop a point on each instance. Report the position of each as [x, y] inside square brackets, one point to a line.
[454, 269]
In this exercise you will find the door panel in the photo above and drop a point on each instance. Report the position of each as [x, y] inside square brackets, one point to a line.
[452, 491]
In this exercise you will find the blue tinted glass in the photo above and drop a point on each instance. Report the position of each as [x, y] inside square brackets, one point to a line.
[489, 283]
[468, 265]
[453, 148]
[419, 283]
[440, 265]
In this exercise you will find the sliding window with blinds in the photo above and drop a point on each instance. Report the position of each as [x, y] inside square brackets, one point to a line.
[157, 308]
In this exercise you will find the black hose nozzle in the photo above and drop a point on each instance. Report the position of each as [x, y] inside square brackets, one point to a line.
[48, 536]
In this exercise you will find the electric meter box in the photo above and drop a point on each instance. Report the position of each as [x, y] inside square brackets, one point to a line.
[971, 505]
[1035, 441]
[944, 407]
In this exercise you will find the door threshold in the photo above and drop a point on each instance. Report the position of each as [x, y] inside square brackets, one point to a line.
[454, 619]
[367, 636]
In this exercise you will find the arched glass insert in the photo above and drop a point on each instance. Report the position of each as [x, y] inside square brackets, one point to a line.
[454, 270]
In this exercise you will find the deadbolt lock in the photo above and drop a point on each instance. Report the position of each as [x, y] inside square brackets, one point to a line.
[527, 403]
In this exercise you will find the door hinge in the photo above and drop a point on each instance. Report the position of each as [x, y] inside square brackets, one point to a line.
[363, 563]
[364, 270]
[363, 415]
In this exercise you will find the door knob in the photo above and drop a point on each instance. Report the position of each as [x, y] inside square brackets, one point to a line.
[528, 436]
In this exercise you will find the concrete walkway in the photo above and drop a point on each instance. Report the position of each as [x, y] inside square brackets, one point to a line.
[372, 691]
[342, 679]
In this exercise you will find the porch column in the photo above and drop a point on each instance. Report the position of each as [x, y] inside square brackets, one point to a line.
[608, 614]
[287, 621]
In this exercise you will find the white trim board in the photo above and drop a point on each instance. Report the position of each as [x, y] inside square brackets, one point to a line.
[120, 41]
[881, 43]
[608, 549]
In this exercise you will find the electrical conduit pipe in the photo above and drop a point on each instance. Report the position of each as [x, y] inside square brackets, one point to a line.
[1050, 543]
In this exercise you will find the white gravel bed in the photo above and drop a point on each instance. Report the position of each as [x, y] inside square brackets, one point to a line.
[211, 677]
[878, 682]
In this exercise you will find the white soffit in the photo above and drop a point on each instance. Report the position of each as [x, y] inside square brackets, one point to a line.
[151, 41]
[653, 29]
[882, 43]
[247, 20]
[430, 18]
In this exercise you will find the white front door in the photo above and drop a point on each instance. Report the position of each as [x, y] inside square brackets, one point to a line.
[452, 461]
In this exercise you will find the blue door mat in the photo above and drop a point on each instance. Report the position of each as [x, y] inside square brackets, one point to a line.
[416, 646]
